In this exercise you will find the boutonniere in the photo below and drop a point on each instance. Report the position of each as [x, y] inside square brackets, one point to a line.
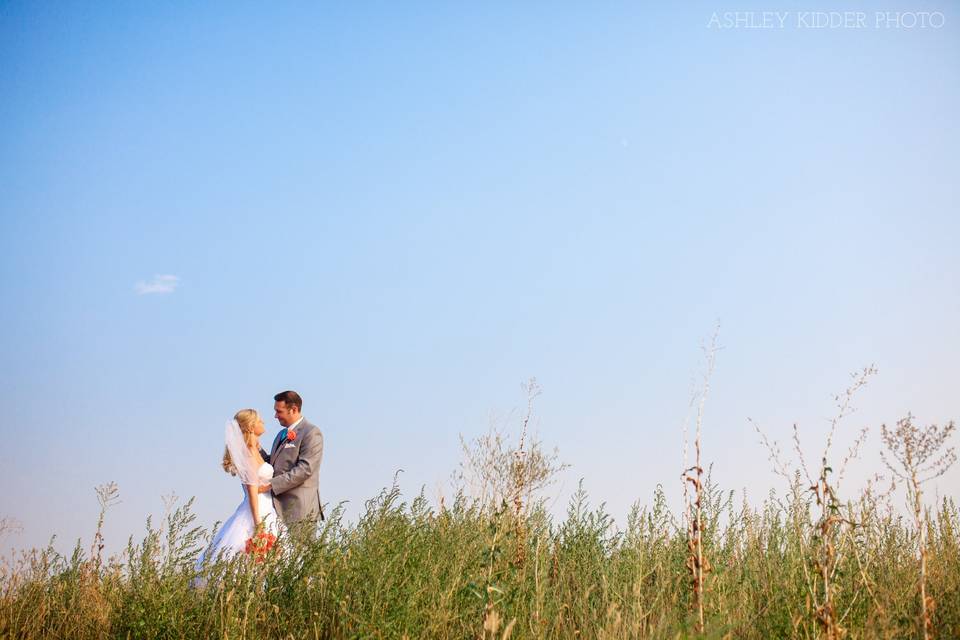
[291, 436]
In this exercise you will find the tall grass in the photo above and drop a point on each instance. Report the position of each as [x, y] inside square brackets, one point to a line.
[408, 570]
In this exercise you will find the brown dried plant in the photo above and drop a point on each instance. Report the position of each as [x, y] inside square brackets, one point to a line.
[920, 457]
[519, 468]
[820, 543]
[496, 473]
[491, 625]
[108, 495]
[10, 526]
[698, 565]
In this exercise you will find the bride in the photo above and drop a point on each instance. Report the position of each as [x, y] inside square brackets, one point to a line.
[242, 457]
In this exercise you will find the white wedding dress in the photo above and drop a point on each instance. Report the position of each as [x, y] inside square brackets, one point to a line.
[233, 535]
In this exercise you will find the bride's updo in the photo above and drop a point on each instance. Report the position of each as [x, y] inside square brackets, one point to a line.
[247, 419]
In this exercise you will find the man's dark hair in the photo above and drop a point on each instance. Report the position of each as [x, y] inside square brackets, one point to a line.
[290, 398]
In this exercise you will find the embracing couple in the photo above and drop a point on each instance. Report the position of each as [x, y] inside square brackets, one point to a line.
[280, 489]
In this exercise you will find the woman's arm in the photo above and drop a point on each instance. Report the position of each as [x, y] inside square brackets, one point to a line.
[253, 489]
[253, 497]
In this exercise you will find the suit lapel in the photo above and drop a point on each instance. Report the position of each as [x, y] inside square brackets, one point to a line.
[275, 447]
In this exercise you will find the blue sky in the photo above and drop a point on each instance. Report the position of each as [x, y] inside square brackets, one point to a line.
[405, 212]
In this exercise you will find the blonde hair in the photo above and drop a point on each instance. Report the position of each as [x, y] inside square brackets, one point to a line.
[247, 419]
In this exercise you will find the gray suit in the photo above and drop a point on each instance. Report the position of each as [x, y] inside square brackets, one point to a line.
[296, 474]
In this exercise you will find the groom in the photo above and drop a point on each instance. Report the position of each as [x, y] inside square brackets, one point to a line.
[295, 456]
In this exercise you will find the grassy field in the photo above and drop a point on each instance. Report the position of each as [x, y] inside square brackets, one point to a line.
[407, 570]
[809, 563]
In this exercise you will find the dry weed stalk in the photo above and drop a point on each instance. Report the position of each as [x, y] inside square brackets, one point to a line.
[491, 625]
[919, 457]
[489, 472]
[520, 484]
[698, 565]
[499, 475]
[822, 547]
[108, 495]
[10, 526]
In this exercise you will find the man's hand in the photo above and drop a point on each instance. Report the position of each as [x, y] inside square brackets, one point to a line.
[263, 488]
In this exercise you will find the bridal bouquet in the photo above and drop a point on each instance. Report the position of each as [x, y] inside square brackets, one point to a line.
[260, 544]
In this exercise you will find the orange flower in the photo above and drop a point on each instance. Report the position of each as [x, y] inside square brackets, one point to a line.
[260, 545]
[291, 435]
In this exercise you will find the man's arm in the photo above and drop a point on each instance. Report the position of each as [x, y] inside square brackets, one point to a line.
[311, 452]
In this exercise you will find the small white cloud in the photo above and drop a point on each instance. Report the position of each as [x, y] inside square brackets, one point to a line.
[159, 284]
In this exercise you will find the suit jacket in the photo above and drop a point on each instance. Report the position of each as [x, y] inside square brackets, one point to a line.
[296, 474]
